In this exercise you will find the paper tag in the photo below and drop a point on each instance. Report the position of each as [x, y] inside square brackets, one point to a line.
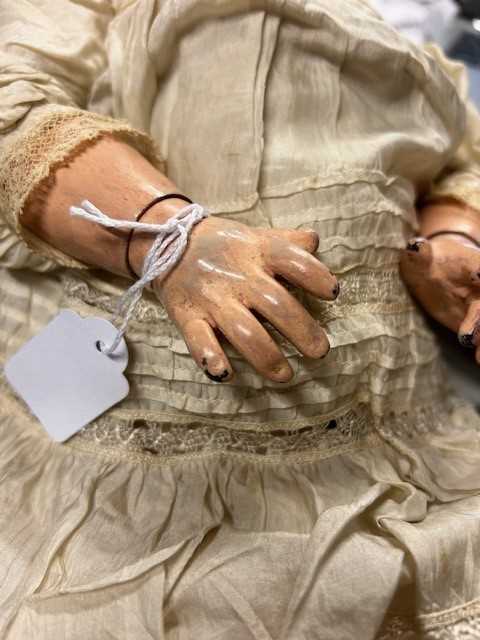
[64, 378]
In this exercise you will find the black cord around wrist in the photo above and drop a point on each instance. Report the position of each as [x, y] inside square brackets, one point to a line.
[155, 201]
[455, 233]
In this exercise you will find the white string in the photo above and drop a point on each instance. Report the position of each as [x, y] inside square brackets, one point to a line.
[165, 252]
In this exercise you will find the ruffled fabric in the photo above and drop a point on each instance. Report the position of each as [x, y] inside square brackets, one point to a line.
[382, 352]
[226, 547]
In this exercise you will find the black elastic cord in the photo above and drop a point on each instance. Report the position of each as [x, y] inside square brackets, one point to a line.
[137, 219]
[456, 233]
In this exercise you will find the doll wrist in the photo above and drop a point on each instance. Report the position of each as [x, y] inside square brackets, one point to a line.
[461, 236]
[447, 215]
[158, 211]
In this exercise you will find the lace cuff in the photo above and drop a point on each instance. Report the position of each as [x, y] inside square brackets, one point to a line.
[463, 186]
[30, 157]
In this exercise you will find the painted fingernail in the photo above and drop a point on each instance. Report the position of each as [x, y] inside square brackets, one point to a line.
[216, 378]
[466, 340]
[413, 245]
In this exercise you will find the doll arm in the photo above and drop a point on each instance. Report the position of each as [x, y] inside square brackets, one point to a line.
[119, 181]
[226, 270]
[54, 153]
[51, 52]
[442, 270]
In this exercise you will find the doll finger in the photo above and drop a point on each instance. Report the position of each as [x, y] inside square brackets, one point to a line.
[246, 334]
[302, 269]
[290, 317]
[307, 239]
[468, 332]
[206, 350]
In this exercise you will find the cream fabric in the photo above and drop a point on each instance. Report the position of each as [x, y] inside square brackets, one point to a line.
[460, 178]
[344, 504]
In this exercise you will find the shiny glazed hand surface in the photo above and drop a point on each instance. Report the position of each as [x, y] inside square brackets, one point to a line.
[443, 274]
[227, 271]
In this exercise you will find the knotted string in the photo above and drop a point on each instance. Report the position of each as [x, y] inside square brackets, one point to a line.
[165, 252]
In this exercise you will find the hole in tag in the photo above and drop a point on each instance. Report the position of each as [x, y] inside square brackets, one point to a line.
[98, 344]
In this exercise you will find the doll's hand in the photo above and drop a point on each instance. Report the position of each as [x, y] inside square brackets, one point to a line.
[443, 274]
[227, 269]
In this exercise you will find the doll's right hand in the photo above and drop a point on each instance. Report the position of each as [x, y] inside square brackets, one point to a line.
[228, 269]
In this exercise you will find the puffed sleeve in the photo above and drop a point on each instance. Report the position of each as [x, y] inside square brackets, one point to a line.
[460, 179]
[51, 52]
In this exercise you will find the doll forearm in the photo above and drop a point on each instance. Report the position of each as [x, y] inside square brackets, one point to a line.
[449, 214]
[120, 182]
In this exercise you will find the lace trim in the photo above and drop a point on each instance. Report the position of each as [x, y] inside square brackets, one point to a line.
[426, 420]
[398, 628]
[167, 440]
[47, 143]
[148, 310]
[373, 291]
[464, 618]
[459, 623]
[164, 440]
[461, 186]
[369, 290]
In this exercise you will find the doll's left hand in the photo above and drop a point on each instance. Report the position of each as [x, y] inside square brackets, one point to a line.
[443, 274]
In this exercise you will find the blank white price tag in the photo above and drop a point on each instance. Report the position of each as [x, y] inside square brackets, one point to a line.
[64, 378]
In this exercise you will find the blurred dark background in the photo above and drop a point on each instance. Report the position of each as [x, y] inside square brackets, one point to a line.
[453, 24]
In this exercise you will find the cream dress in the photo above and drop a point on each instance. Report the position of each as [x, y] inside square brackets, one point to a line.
[343, 505]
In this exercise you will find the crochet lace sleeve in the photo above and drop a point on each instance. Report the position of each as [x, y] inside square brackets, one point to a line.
[50, 55]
